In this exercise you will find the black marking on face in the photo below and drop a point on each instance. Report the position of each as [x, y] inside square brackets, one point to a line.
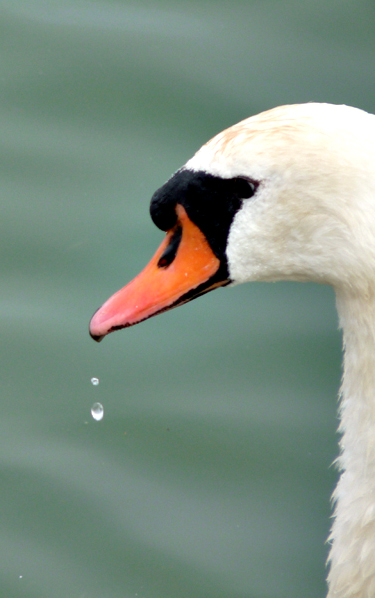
[170, 252]
[211, 202]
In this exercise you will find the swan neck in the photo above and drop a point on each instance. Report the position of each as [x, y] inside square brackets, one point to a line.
[357, 320]
[352, 562]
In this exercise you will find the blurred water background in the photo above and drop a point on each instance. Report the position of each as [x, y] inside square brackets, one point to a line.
[210, 474]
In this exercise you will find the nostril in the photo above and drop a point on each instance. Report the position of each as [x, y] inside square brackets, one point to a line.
[170, 252]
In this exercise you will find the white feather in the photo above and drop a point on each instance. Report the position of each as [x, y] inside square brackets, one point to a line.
[313, 218]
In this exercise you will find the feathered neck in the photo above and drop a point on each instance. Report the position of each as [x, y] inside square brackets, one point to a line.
[352, 555]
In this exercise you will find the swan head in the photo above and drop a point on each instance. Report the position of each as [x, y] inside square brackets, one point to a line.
[285, 195]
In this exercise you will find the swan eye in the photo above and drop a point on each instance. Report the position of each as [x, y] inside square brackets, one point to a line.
[245, 188]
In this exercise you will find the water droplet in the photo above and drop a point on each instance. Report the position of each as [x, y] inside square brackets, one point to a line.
[97, 411]
[95, 381]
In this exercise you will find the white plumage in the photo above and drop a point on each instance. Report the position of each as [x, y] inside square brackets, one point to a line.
[313, 219]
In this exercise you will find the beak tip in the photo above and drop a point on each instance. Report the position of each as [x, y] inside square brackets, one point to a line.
[97, 337]
[94, 329]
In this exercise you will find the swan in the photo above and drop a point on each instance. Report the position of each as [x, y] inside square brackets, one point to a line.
[288, 194]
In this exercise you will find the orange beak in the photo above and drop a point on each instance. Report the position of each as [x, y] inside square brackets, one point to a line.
[183, 268]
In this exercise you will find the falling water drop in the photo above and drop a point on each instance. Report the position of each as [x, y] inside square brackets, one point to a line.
[97, 411]
[95, 381]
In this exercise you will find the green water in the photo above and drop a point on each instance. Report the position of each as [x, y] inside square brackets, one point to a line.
[210, 474]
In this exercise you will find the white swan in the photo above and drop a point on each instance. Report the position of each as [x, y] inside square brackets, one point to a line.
[285, 195]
